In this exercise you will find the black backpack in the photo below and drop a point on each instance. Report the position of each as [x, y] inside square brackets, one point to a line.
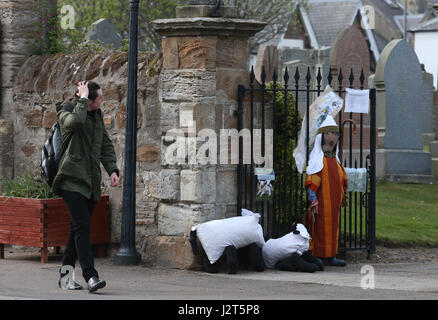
[52, 152]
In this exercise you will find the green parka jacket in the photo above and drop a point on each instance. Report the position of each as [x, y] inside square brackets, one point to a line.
[86, 144]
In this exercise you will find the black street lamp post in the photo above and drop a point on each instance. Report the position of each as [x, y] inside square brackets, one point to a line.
[127, 254]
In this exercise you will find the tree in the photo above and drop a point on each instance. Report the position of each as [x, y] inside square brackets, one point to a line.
[276, 13]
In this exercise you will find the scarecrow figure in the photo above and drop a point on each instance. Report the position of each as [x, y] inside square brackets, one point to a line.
[326, 185]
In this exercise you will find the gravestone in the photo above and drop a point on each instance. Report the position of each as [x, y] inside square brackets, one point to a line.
[434, 144]
[350, 51]
[104, 31]
[301, 100]
[398, 82]
[267, 57]
[427, 108]
[316, 58]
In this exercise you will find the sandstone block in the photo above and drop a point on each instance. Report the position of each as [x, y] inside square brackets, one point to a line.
[232, 53]
[112, 93]
[188, 86]
[170, 53]
[148, 153]
[27, 76]
[145, 213]
[177, 220]
[33, 118]
[108, 121]
[163, 185]
[121, 117]
[169, 118]
[6, 127]
[41, 84]
[226, 187]
[49, 119]
[28, 149]
[94, 68]
[228, 80]
[197, 53]
[56, 77]
[171, 252]
[198, 186]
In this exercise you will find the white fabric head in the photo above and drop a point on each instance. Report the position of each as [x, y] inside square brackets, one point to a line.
[316, 157]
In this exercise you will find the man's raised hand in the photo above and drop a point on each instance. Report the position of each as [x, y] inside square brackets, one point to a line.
[83, 89]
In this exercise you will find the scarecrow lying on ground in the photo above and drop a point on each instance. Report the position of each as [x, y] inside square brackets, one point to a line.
[238, 239]
[326, 185]
[290, 252]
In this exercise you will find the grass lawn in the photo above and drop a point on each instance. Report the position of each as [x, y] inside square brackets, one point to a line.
[407, 214]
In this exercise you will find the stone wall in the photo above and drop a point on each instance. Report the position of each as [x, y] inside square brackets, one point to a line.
[44, 80]
[17, 24]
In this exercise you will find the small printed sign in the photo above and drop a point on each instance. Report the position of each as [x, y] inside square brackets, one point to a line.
[265, 187]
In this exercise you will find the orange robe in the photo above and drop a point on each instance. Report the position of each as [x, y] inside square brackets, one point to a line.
[330, 185]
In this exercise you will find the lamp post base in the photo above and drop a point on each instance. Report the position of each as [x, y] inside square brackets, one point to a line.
[127, 256]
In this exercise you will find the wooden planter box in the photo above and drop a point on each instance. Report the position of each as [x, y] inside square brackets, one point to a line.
[45, 223]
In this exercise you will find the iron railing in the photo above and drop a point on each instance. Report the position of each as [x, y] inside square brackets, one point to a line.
[257, 109]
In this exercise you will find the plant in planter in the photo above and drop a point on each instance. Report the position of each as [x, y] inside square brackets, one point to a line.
[31, 215]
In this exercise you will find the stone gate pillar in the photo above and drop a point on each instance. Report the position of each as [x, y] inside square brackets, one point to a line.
[204, 60]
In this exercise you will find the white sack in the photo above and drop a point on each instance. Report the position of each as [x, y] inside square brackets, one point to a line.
[239, 231]
[276, 250]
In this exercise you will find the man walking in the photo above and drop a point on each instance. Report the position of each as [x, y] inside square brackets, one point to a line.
[86, 144]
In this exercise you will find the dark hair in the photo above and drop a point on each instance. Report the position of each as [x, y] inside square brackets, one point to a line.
[93, 87]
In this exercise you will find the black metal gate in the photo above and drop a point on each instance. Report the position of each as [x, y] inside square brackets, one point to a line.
[258, 108]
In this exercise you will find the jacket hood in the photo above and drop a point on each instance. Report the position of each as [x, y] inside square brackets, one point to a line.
[71, 101]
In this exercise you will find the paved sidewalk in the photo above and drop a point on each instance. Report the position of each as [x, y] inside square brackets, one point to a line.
[22, 276]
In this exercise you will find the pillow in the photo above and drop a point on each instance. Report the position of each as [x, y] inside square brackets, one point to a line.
[239, 231]
[276, 250]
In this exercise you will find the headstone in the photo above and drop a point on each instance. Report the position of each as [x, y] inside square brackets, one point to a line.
[303, 67]
[316, 58]
[427, 108]
[434, 144]
[399, 78]
[267, 57]
[350, 51]
[104, 31]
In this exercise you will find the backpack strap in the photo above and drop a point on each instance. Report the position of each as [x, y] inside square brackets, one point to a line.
[69, 108]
